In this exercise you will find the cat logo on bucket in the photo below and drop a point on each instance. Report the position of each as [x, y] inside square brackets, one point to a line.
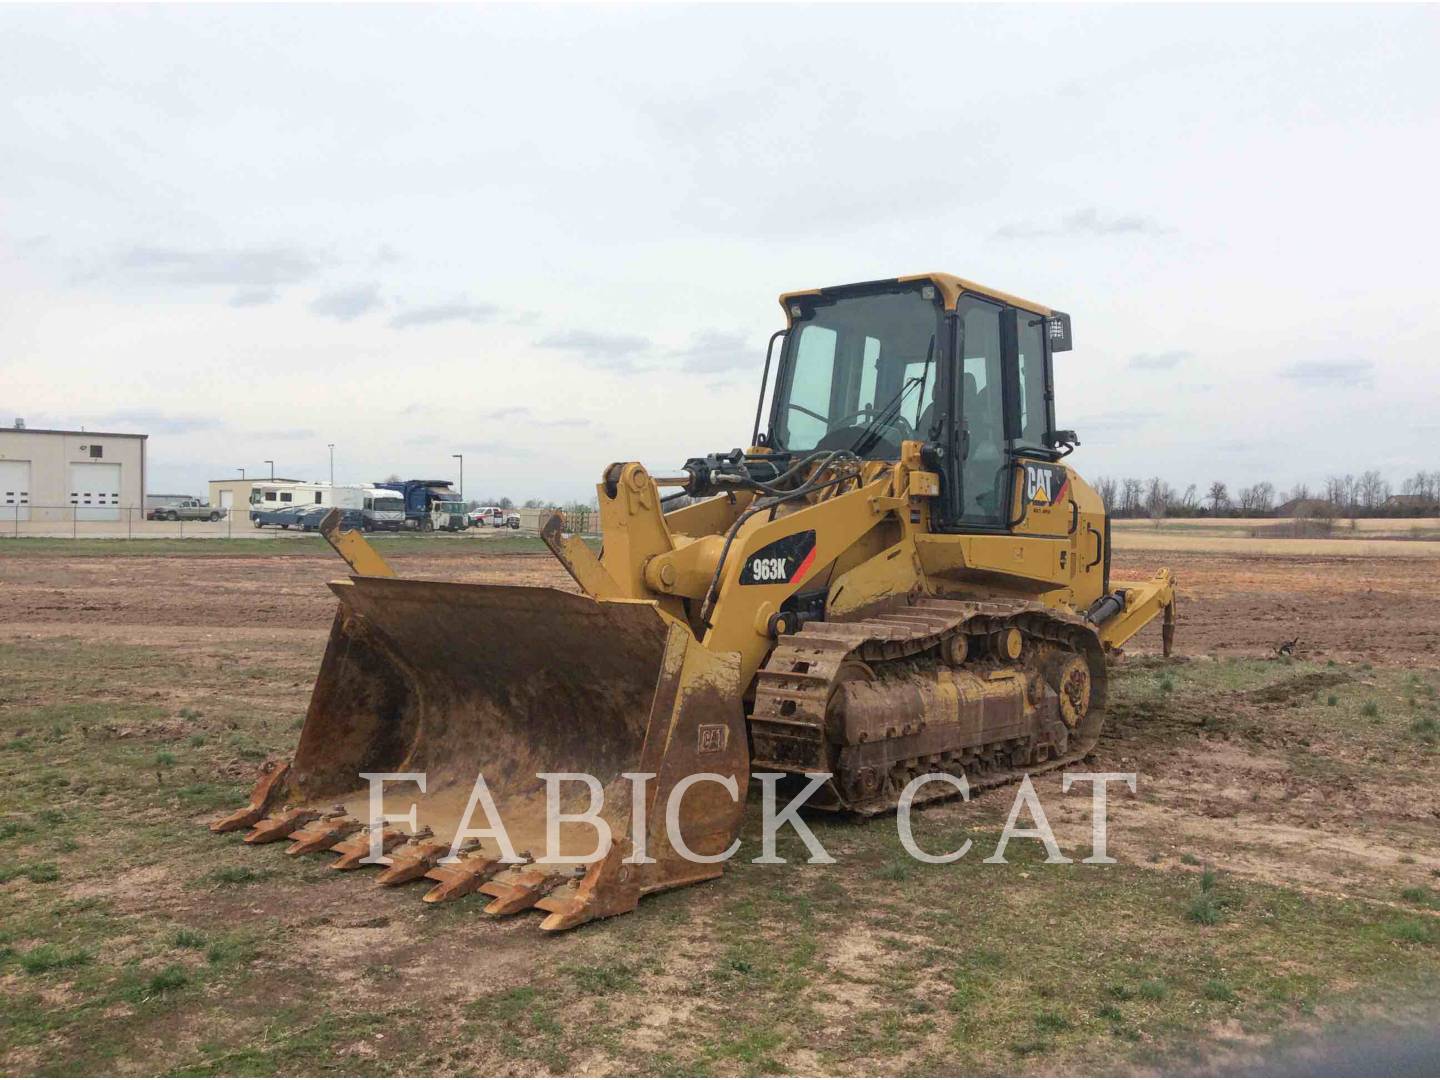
[1045, 484]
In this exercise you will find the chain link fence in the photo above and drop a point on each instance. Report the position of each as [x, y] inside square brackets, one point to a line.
[69, 521]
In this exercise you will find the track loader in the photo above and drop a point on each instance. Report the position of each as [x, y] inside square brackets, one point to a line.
[899, 576]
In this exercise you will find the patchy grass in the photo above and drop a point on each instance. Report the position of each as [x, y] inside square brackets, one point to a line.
[151, 945]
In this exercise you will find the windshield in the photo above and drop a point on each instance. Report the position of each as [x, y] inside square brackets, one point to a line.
[388, 504]
[450, 507]
[859, 374]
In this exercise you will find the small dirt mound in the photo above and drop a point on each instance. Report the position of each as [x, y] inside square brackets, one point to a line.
[1297, 686]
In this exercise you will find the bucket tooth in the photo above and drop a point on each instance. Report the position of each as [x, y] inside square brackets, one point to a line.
[521, 890]
[413, 861]
[461, 878]
[355, 849]
[281, 825]
[320, 835]
[262, 797]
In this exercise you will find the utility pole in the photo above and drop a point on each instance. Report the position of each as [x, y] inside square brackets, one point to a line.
[272, 468]
[332, 464]
[461, 458]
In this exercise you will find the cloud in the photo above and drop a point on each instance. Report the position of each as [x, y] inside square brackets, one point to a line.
[1162, 361]
[283, 433]
[255, 268]
[472, 450]
[612, 350]
[712, 351]
[1329, 372]
[155, 422]
[526, 416]
[254, 297]
[1109, 423]
[461, 311]
[348, 304]
[1088, 222]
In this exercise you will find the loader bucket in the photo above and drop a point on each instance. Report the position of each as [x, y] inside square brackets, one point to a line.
[457, 681]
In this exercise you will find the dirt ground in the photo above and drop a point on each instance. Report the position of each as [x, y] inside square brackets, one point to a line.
[1230, 605]
[1310, 785]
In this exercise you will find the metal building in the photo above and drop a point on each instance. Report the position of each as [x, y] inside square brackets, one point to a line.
[50, 475]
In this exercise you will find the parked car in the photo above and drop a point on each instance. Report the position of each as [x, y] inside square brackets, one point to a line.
[512, 521]
[350, 518]
[187, 510]
[487, 517]
[284, 517]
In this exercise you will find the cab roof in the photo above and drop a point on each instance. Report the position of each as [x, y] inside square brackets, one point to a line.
[951, 288]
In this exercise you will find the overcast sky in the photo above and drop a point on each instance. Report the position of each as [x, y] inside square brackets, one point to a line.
[551, 238]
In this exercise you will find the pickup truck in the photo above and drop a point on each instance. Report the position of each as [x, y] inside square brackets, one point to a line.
[188, 510]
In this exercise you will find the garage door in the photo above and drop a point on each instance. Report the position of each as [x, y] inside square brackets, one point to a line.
[14, 491]
[95, 492]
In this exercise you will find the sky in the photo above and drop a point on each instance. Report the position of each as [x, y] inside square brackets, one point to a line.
[549, 238]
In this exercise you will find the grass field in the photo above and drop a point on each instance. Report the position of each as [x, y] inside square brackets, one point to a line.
[1278, 873]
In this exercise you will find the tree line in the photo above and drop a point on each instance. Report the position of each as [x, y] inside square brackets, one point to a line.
[1366, 495]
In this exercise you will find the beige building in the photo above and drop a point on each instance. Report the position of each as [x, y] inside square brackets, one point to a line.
[233, 496]
[48, 475]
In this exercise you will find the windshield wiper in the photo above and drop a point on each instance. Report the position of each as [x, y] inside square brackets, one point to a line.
[871, 435]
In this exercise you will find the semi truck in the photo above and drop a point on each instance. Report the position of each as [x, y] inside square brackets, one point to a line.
[420, 497]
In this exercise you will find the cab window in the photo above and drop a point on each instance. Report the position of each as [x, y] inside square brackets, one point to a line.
[811, 387]
[1034, 418]
[858, 373]
[982, 409]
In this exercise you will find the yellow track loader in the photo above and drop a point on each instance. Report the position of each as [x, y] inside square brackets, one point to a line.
[899, 576]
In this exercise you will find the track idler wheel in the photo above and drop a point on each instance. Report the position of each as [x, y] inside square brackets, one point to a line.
[1073, 687]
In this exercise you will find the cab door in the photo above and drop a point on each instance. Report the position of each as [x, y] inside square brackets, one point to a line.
[976, 496]
[1041, 500]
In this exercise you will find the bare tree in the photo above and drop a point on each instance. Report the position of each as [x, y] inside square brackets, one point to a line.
[1158, 497]
[1371, 490]
[1131, 492]
[1257, 500]
[1262, 496]
[1422, 491]
[1218, 497]
[1106, 487]
[1340, 494]
[1190, 501]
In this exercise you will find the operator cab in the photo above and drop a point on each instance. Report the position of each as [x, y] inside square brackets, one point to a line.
[964, 369]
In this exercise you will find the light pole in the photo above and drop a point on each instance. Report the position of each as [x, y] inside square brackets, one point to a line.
[332, 464]
[241, 469]
[461, 458]
[272, 468]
